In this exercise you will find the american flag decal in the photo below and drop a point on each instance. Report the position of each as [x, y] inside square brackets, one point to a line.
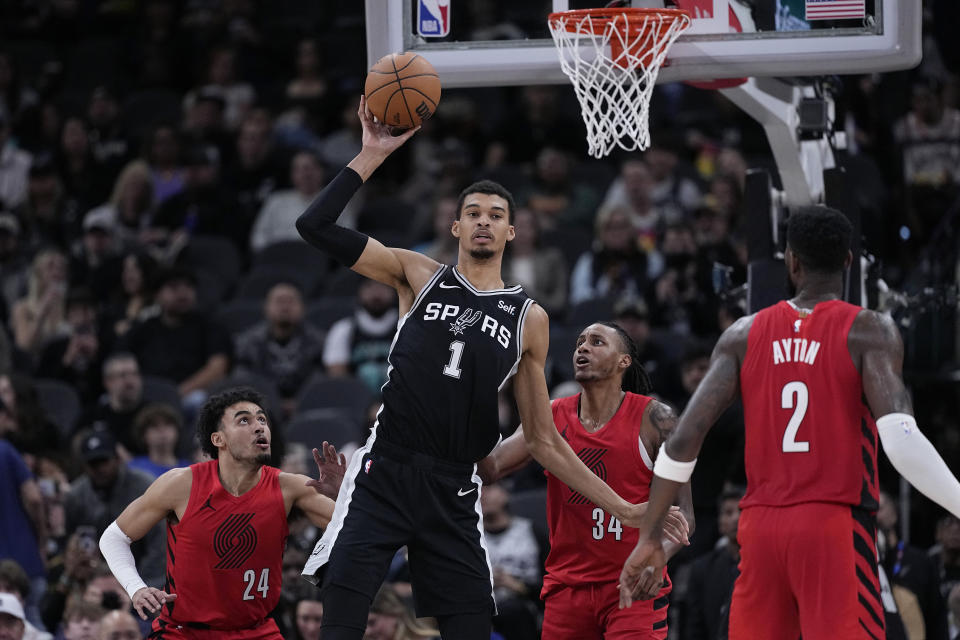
[835, 9]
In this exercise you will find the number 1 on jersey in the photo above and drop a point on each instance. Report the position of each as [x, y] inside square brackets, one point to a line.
[791, 389]
[452, 368]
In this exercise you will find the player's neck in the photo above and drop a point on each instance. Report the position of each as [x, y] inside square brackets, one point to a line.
[817, 289]
[598, 404]
[484, 275]
[236, 477]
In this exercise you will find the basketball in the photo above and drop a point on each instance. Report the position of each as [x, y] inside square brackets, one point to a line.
[402, 90]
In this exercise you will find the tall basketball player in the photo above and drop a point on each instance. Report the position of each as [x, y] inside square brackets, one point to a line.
[820, 380]
[226, 529]
[461, 335]
[617, 429]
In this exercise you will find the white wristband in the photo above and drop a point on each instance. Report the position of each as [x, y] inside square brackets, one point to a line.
[669, 469]
[896, 423]
[115, 547]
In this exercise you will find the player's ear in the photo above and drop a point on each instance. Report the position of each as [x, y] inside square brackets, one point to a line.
[625, 361]
[216, 438]
[511, 233]
[848, 260]
[455, 228]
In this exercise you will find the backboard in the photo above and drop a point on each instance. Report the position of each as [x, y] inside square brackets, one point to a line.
[506, 42]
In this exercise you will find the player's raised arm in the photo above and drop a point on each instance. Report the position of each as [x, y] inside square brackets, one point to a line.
[876, 337]
[543, 441]
[398, 268]
[167, 495]
[298, 491]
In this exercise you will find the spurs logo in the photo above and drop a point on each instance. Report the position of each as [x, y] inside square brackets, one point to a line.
[467, 319]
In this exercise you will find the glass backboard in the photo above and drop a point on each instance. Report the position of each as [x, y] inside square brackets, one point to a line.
[506, 42]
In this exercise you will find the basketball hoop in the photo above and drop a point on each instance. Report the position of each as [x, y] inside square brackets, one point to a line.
[613, 57]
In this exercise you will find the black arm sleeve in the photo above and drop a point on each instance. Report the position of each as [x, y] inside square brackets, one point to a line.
[318, 224]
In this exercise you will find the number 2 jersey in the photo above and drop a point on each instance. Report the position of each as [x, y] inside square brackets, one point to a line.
[452, 353]
[809, 434]
[588, 545]
[224, 557]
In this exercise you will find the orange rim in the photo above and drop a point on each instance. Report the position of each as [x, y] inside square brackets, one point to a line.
[600, 18]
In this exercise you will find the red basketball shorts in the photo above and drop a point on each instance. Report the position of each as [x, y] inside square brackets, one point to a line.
[810, 570]
[592, 612]
[167, 630]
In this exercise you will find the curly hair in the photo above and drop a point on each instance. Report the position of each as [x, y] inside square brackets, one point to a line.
[819, 237]
[212, 413]
[635, 378]
[489, 188]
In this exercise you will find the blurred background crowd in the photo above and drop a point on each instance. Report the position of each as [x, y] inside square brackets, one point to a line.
[153, 158]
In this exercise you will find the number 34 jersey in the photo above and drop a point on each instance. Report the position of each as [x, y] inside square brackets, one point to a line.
[453, 352]
[224, 557]
[809, 434]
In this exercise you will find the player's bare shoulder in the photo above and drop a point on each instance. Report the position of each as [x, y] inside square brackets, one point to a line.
[873, 331]
[659, 422]
[171, 491]
[733, 340]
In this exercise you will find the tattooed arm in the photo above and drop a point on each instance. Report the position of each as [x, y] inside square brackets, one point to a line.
[659, 423]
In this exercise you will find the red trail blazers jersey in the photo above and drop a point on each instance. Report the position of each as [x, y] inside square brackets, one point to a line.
[809, 434]
[224, 557]
[586, 544]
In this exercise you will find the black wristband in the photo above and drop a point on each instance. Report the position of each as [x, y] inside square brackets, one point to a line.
[317, 225]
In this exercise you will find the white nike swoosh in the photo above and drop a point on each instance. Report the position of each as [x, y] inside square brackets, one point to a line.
[449, 286]
[462, 493]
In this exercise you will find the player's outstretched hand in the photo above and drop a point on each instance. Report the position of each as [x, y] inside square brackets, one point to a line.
[378, 136]
[149, 600]
[643, 570]
[331, 467]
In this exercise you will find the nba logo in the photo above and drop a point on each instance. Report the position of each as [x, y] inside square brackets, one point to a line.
[433, 18]
[367, 465]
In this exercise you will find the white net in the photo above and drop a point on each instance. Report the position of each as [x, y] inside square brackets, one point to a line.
[613, 62]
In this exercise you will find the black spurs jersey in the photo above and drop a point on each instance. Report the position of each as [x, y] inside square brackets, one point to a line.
[452, 353]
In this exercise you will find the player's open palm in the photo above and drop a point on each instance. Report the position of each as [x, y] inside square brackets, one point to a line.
[149, 600]
[331, 467]
[378, 136]
[642, 572]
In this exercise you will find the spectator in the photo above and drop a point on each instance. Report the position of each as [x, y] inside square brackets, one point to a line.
[911, 569]
[634, 190]
[946, 555]
[682, 304]
[23, 421]
[276, 221]
[444, 246]
[306, 91]
[15, 96]
[14, 581]
[309, 614]
[203, 122]
[537, 123]
[23, 523]
[162, 155]
[222, 80]
[86, 183]
[134, 299]
[14, 165]
[49, 220]
[516, 562]
[69, 575]
[255, 170]
[39, 316]
[94, 262]
[293, 587]
[157, 427]
[712, 576]
[359, 345]
[104, 590]
[673, 192]
[633, 315]
[119, 625]
[122, 401]
[14, 261]
[556, 197]
[180, 343]
[12, 620]
[75, 356]
[203, 207]
[616, 265]
[391, 619]
[953, 602]
[104, 489]
[82, 621]
[341, 145]
[283, 348]
[108, 142]
[542, 271]
[129, 211]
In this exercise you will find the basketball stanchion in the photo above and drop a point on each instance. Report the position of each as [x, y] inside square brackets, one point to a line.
[613, 57]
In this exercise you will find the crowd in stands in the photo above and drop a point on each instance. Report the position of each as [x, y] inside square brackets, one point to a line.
[154, 156]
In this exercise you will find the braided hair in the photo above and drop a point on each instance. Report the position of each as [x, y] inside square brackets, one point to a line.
[635, 378]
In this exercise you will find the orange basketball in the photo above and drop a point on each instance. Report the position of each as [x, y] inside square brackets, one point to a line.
[402, 90]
